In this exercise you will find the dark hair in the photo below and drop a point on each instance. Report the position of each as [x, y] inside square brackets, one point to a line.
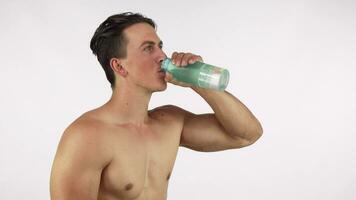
[109, 41]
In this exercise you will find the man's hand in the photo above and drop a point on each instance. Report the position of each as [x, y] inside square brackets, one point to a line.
[182, 60]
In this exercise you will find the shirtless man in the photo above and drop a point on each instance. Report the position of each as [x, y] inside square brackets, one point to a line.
[122, 150]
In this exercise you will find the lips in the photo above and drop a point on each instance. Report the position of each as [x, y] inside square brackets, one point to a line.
[162, 73]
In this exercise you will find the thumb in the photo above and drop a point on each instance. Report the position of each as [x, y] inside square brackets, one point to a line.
[168, 77]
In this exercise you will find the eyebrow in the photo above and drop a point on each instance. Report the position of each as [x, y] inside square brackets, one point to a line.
[151, 43]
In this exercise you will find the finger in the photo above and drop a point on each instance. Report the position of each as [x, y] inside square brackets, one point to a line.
[185, 59]
[200, 58]
[168, 77]
[178, 59]
[174, 56]
[194, 59]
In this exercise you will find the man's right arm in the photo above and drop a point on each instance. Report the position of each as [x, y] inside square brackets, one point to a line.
[78, 164]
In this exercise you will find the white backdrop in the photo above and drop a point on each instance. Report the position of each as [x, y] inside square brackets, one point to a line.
[291, 62]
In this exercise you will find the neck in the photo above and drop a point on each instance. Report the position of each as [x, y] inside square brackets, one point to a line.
[129, 105]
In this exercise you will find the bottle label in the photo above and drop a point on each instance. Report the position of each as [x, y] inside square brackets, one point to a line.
[209, 77]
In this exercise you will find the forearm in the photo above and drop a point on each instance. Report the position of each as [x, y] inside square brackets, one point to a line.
[233, 115]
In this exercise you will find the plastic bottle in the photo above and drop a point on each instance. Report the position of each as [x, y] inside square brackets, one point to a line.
[199, 74]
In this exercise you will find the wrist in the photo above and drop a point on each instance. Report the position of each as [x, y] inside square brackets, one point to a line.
[204, 91]
[198, 89]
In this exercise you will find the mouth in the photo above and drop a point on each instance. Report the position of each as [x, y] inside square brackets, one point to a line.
[161, 72]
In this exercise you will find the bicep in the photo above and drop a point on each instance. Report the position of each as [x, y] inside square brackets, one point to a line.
[74, 182]
[76, 170]
[204, 133]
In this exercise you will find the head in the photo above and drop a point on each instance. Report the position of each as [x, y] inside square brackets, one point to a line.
[128, 47]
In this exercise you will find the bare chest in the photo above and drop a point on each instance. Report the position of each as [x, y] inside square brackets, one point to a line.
[142, 165]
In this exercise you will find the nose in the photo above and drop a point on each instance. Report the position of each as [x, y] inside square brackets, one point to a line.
[161, 56]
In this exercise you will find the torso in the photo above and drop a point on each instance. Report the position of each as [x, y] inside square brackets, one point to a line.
[143, 158]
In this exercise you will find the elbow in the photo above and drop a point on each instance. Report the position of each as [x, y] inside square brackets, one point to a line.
[258, 132]
[248, 136]
[254, 134]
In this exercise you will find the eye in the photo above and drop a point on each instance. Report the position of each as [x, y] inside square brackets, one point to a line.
[148, 48]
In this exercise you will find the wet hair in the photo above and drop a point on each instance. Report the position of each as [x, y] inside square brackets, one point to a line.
[109, 40]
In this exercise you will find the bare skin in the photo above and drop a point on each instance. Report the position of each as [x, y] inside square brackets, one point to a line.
[122, 150]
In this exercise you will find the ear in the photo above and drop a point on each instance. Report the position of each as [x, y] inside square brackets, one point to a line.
[116, 66]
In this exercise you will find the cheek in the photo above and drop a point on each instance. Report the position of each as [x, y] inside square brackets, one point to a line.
[145, 71]
[142, 66]
[141, 71]
[145, 66]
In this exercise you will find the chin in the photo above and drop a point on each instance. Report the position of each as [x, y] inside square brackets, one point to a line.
[161, 88]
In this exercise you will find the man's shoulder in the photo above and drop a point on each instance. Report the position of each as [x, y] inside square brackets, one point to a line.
[85, 135]
[169, 111]
[85, 130]
[84, 123]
